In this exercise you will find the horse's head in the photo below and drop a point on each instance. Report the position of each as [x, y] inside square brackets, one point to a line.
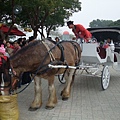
[14, 80]
[5, 78]
[7, 85]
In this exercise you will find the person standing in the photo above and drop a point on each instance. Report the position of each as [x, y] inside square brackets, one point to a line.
[79, 31]
[9, 48]
[16, 47]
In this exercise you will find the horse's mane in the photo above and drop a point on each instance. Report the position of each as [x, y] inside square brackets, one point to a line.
[23, 49]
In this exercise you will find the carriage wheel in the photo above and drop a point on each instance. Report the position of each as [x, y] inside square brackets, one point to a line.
[105, 78]
[61, 78]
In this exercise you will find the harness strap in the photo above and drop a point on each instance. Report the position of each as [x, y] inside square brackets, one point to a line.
[50, 53]
[60, 46]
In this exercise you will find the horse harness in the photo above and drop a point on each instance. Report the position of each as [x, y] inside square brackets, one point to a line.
[44, 68]
[60, 46]
[52, 58]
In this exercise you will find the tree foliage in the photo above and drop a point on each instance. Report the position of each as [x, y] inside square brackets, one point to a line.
[39, 14]
[104, 23]
[100, 23]
[115, 23]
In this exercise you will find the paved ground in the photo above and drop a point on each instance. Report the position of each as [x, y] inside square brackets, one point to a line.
[87, 101]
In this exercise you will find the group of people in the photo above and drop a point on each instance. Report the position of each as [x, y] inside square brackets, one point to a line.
[13, 47]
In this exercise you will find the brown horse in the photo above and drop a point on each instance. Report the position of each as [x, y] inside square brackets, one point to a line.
[35, 58]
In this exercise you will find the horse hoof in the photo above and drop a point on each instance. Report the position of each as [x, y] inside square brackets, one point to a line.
[33, 109]
[65, 98]
[49, 107]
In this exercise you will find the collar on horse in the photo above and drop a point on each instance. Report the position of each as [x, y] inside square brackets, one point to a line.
[60, 46]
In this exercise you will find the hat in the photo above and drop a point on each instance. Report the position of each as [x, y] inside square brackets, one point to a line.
[69, 23]
[2, 49]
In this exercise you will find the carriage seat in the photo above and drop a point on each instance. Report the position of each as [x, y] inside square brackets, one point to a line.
[102, 52]
[91, 53]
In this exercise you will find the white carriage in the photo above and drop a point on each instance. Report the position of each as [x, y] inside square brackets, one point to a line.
[95, 60]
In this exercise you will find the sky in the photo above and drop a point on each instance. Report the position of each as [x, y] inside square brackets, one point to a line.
[93, 10]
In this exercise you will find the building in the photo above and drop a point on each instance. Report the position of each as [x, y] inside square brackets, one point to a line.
[66, 35]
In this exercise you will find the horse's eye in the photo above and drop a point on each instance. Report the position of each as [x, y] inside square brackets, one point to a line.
[10, 71]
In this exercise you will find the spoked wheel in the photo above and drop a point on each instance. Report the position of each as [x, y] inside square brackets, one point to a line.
[105, 78]
[61, 78]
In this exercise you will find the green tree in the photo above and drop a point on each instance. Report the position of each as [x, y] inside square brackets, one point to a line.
[115, 23]
[7, 14]
[100, 23]
[48, 14]
[40, 14]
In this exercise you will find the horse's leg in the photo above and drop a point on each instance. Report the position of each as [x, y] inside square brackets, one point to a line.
[52, 100]
[69, 80]
[37, 102]
[73, 77]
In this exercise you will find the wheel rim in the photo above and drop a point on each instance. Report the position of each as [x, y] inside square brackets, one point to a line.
[105, 78]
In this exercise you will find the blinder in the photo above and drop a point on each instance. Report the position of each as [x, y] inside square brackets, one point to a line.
[5, 74]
